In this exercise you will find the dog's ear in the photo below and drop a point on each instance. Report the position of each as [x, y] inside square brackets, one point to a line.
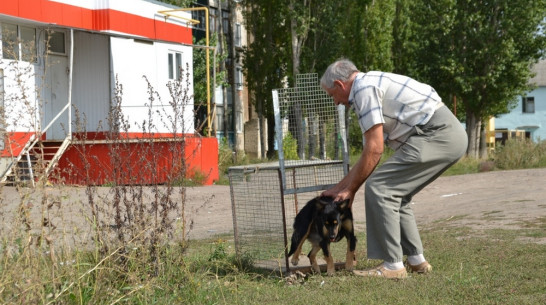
[342, 205]
[321, 202]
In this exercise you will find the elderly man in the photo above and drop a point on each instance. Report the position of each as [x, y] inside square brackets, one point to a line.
[427, 138]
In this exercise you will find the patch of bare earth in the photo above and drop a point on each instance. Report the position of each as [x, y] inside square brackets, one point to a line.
[498, 199]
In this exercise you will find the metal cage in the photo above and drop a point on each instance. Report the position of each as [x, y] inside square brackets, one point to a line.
[311, 139]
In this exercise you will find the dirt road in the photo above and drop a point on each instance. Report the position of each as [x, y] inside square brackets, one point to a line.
[484, 200]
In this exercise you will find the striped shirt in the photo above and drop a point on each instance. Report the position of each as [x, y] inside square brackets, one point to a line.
[398, 102]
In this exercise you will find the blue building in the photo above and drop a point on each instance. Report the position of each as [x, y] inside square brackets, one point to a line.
[530, 113]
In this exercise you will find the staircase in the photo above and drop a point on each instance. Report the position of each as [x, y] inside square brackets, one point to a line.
[35, 162]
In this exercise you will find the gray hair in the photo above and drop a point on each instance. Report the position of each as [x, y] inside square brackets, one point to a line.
[340, 70]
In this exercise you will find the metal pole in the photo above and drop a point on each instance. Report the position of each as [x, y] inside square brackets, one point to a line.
[285, 234]
[208, 71]
[69, 136]
[278, 135]
[343, 134]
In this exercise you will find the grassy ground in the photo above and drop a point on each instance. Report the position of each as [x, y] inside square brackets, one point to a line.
[489, 266]
[500, 266]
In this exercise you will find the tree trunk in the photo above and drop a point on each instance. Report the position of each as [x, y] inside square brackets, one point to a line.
[295, 43]
[473, 126]
[322, 138]
[259, 109]
[312, 129]
[297, 120]
[483, 144]
[271, 136]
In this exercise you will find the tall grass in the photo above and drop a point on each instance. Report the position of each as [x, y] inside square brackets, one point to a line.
[103, 245]
[520, 153]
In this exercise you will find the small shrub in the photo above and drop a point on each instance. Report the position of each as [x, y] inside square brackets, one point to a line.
[225, 156]
[219, 251]
[290, 147]
[516, 153]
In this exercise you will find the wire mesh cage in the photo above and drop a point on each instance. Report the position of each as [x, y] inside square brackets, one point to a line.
[311, 139]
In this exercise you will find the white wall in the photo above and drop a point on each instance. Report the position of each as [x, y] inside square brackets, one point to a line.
[91, 81]
[20, 105]
[131, 61]
[516, 119]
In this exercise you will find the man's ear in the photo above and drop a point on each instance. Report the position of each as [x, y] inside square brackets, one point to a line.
[340, 84]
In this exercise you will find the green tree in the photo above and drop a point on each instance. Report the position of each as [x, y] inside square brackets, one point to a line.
[292, 37]
[323, 44]
[401, 48]
[479, 52]
[367, 33]
[266, 60]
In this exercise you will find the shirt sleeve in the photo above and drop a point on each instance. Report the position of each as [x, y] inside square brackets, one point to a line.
[368, 106]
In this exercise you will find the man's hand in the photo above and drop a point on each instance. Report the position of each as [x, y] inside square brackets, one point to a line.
[339, 195]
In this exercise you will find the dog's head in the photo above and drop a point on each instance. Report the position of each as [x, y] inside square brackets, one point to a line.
[331, 216]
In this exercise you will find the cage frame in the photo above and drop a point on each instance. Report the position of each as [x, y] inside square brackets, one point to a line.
[282, 166]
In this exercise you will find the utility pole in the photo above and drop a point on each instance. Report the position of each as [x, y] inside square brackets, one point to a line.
[235, 92]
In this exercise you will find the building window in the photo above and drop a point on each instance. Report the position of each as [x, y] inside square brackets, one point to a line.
[219, 118]
[199, 16]
[225, 22]
[174, 65]
[28, 43]
[528, 104]
[239, 78]
[212, 19]
[56, 43]
[238, 35]
[18, 42]
[239, 120]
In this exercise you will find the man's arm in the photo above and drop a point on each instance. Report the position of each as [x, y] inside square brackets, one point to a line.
[371, 154]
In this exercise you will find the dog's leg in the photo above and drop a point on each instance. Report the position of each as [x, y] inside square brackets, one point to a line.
[350, 257]
[313, 258]
[302, 228]
[330, 268]
[296, 255]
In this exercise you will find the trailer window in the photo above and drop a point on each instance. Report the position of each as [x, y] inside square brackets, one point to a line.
[18, 42]
[174, 65]
[10, 46]
[56, 42]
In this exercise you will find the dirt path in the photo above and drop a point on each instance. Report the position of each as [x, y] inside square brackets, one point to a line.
[485, 200]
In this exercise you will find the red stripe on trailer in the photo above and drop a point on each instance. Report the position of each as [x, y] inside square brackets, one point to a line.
[101, 20]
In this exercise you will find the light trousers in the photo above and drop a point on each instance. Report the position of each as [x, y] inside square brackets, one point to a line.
[390, 224]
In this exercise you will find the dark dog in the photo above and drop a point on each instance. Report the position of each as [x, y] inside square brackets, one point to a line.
[322, 221]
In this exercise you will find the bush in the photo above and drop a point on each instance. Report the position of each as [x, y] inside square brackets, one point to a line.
[290, 147]
[517, 153]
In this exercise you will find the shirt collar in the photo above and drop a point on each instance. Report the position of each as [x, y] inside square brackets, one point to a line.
[357, 79]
